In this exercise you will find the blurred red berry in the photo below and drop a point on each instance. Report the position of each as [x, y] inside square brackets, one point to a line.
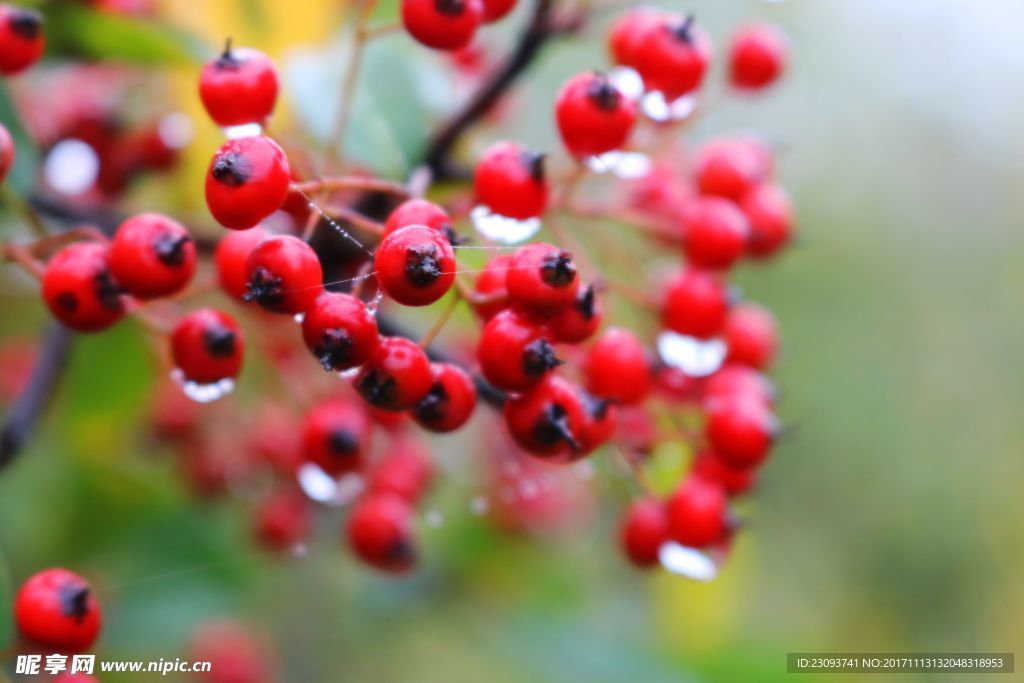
[396, 376]
[152, 256]
[510, 181]
[336, 436]
[239, 86]
[380, 532]
[593, 116]
[79, 289]
[696, 513]
[673, 56]
[442, 24]
[515, 352]
[757, 56]
[21, 38]
[617, 367]
[56, 608]
[207, 346]
[644, 530]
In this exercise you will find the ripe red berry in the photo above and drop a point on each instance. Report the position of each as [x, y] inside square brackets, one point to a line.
[283, 275]
[752, 336]
[696, 304]
[757, 56]
[6, 152]
[490, 285]
[239, 86]
[404, 470]
[450, 401]
[283, 520]
[340, 331]
[497, 9]
[735, 381]
[233, 250]
[696, 513]
[79, 290]
[21, 38]
[420, 212]
[542, 278]
[713, 468]
[715, 232]
[396, 376]
[336, 436]
[380, 532]
[629, 33]
[741, 431]
[152, 256]
[548, 420]
[415, 265]
[207, 346]
[617, 367]
[600, 421]
[514, 352]
[510, 181]
[770, 213]
[57, 609]
[442, 24]
[593, 116]
[248, 180]
[644, 530]
[578, 322]
[673, 56]
[731, 167]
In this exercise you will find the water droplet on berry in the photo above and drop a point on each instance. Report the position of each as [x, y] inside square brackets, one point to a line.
[243, 131]
[688, 562]
[316, 483]
[71, 167]
[202, 393]
[299, 317]
[695, 357]
[657, 109]
[349, 374]
[622, 164]
[502, 228]
[434, 519]
[479, 506]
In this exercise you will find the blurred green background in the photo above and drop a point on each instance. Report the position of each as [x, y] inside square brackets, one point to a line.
[891, 521]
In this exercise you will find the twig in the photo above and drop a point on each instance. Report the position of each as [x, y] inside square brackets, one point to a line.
[351, 183]
[348, 86]
[431, 334]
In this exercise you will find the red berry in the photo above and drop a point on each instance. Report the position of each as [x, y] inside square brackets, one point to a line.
[336, 436]
[236, 652]
[152, 256]
[450, 401]
[757, 56]
[741, 431]
[644, 530]
[340, 331]
[734, 381]
[404, 470]
[57, 609]
[248, 180]
[600, 421]
[6, 152]
[514, 352]
[207, 346]
[731, 167]
[752, 336]
[713, 468]
[548, 420]
[673, 56]
[415, 265]
[696, 513]
[239, 86]
[21, 38]
[497, 9]
[380, 532]
[283, 520]
[542, 278]
[577, 322]
[593, 116]
[696, 304]
[490, 284]
[79, 290]
[233, 250]
[510, 181]
[629, 33]
[396, 376]
[770, 214]
[442, 24]
[617, 367]
[715, 233]
[420, 212]
[283, 275]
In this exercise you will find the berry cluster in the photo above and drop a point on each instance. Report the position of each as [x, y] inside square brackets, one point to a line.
[565, 370]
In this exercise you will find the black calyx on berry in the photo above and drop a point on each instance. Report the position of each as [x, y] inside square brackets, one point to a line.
[26, 23]
[539, 357]
[684, 31]
[451, 8]
[220, 342]
[431, 407]
[597, 408]
[334, 350]
[68, 301]
[231, 170]
[602, 93]
[453, 237]
[586, 302]
[401, 551]
[342, 442]
[170, 249]
[422, 264]
[108, 292]
[227, 59]
[534, 162]
[552, 427]
[558, 270]
[264, 288]
[378, 389]
[74, 601]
